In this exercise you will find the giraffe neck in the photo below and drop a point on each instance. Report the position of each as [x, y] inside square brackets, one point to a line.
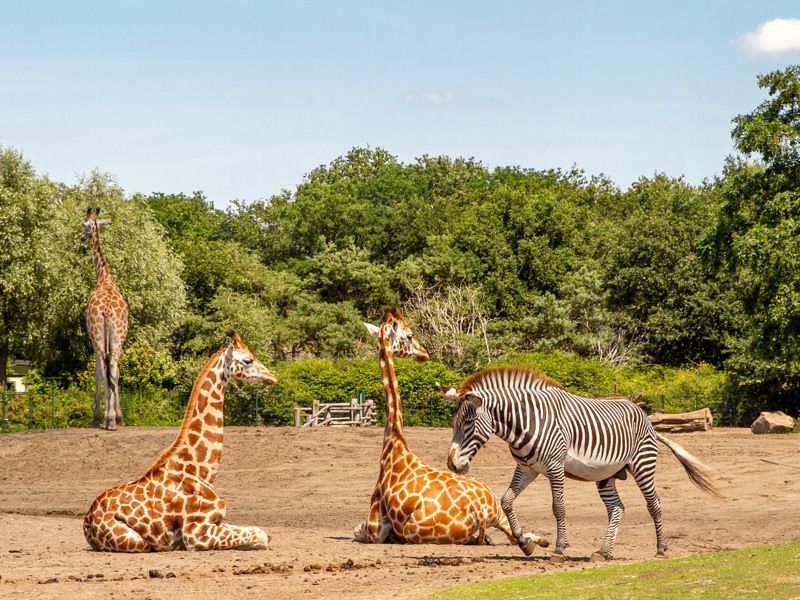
[198, 447]
[100, 264]
[391, 391]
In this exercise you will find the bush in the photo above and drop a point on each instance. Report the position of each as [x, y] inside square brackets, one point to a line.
[665, 389]
[302, 382]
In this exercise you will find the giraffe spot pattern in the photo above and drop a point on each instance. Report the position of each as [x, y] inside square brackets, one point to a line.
[174, 505]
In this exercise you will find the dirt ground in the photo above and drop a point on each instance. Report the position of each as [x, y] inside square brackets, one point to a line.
[308, 489]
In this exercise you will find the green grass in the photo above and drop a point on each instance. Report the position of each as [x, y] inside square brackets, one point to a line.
[769, 572]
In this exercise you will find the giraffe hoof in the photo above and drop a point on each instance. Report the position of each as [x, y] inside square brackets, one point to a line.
[557, 559]
[598, 557]
[529, 543]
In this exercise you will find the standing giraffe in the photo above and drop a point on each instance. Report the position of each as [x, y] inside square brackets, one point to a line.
[107, 322]
[412, 501]
[174, 506]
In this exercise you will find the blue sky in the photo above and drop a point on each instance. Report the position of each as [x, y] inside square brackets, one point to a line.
[240, 99]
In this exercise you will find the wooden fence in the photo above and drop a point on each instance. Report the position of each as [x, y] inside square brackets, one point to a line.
[336, 414]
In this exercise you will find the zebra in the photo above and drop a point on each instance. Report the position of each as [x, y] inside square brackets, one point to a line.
[557, 434]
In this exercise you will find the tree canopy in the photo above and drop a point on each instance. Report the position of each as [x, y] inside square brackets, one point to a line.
[487, 262]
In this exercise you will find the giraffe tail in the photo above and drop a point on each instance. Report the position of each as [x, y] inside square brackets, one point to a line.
[697, 471]
[108, 336]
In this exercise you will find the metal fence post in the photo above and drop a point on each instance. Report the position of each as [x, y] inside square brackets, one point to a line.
[52, 404]
[4, 412]
[695, 401]
[30, 411]
[430, 410]
[256, 408]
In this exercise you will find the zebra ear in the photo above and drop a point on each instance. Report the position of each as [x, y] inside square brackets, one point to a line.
[474, 399]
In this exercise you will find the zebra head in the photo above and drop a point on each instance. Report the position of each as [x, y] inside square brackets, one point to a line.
[396, 333]
[472, 428]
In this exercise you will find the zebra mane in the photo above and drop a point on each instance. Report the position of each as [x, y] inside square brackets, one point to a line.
[493, 377]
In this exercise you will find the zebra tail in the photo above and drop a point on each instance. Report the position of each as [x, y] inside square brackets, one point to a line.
[697, 471]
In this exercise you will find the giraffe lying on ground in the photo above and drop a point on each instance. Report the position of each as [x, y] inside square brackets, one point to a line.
[107, 323]
[412, 501]
[173, 506]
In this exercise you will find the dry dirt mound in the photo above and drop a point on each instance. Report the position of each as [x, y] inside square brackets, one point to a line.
[308, 489]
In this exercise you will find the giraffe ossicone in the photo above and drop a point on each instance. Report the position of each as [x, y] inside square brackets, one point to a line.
[107, 323]
[174, 506]
[413, 502]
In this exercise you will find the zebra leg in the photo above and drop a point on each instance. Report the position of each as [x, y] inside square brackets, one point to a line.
[560, 512]
[608, 493]
[526, 541]
[645, 479]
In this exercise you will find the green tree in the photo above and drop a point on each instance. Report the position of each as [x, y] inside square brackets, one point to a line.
[756, 245]
[27, 263]
[145, 269]
[654, 276]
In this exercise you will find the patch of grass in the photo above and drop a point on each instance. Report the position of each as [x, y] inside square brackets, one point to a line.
[769, 572]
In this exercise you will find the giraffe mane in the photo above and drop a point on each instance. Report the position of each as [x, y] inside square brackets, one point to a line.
[184, 431]
[488, 375]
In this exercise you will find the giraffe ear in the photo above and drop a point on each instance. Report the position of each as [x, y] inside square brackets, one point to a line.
[89, 212]
[97, 211]
[103, 223]
[448, 392]
[374, 331]
[397, 314]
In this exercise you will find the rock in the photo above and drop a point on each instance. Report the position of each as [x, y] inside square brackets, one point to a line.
[772, 422]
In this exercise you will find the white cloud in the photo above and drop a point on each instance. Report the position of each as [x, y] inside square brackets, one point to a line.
[439, 98]
[447, 98]
[778, 36]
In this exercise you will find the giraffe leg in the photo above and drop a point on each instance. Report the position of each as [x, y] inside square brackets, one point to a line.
[99, 385]
[108, 533]
[608, 493]
[116, 410]
[530, 540]
[378, 529]
[116, 337]
[208, 536]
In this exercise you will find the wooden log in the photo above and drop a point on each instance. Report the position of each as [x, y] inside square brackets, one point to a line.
[698, 420]
[297, 412]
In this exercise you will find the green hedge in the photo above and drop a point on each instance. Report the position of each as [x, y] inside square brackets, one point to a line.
[665, 389]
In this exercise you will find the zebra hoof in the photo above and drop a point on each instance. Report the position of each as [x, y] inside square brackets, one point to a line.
[661, 554]
[598, 557]
[557, 559]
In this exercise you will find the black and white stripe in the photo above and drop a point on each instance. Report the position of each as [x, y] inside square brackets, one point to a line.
[557, 434]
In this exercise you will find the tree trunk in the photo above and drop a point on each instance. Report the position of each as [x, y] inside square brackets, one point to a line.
[699, 420]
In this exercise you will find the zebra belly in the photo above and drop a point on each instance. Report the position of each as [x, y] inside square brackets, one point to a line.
[590, 469]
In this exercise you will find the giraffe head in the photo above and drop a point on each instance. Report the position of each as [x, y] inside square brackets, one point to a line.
[241, 363]
[401, 339]
[90, 222]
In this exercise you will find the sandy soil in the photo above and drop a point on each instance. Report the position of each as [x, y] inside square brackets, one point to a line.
[309, 488]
